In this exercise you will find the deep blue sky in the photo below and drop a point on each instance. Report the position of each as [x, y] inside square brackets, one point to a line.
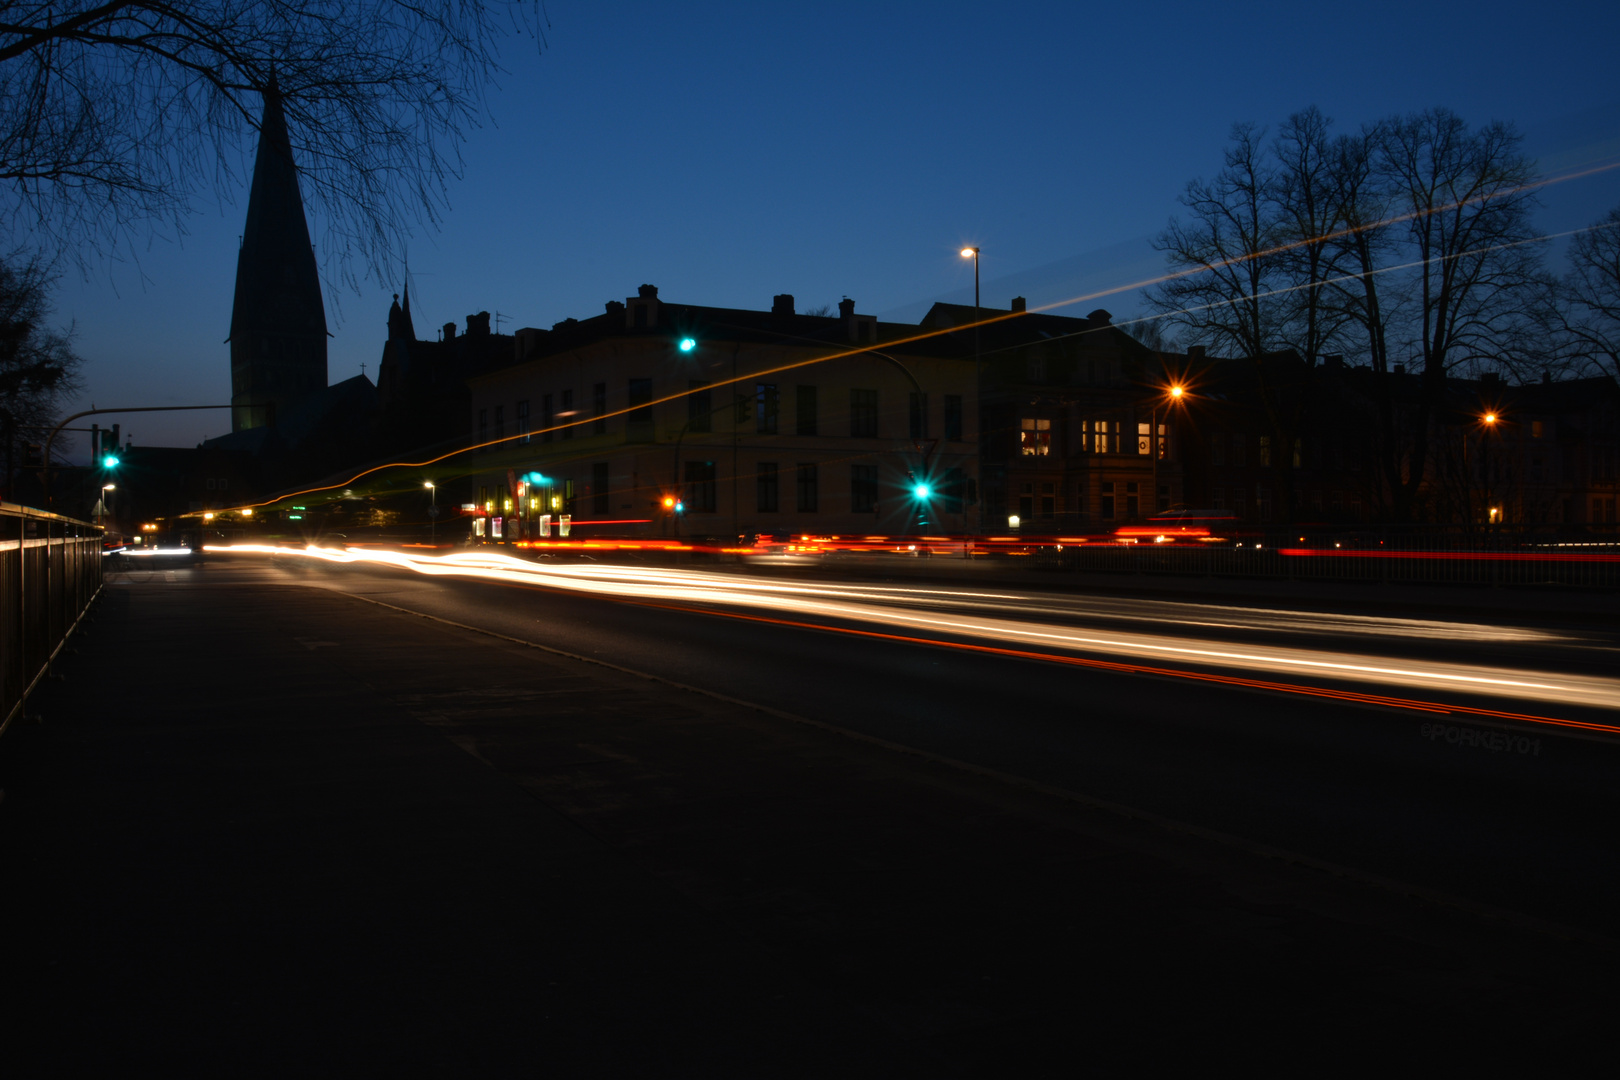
[727, 152]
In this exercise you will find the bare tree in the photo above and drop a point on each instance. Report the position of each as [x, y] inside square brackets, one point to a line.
[38, 367]
[1592, 293]
[116, 116]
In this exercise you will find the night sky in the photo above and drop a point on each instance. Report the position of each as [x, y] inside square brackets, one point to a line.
[729, 152]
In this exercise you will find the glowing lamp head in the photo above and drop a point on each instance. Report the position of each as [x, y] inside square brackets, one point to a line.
[688, 344]
[1489, 418]
[428, 484]
[1177, 391]
[968, 253]
[669, 502]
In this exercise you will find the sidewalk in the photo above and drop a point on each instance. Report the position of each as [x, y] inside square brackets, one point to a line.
[266, 829]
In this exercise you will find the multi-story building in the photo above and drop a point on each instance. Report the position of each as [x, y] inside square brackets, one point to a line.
[669, 419]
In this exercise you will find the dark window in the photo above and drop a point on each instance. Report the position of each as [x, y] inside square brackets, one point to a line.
[1108, 500]
[805, 409]
[1026, 502]
[483, 428]
[600, 503]
[808, 494]
[699, 407]
[919, 415]
[500, 421]
[765, 408]
[863, 414]
[548, 417]
[953, 417]
[639, 421]
[1132, 500]
[953, 488]
[599, 408]
[862, 489]
[699, 492]
[523, 420]
[765, 485]
[1048, 499]
[566, 414]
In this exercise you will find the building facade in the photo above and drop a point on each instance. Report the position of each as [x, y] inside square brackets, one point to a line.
[676, 420]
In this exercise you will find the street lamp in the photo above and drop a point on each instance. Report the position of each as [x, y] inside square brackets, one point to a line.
[101, 504]
[1175, 393]
[978, 375]
[433, 512]
[1489, 420]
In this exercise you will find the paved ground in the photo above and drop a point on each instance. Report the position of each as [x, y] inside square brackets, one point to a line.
[267, 829]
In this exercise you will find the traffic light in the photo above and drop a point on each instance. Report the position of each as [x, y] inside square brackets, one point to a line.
[920, 490]
[108, 450]
[687, 344]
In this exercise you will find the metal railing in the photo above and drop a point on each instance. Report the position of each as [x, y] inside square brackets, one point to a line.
[50, 570]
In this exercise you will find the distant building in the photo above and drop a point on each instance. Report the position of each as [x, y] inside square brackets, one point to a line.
[422, 386]
[753, 422]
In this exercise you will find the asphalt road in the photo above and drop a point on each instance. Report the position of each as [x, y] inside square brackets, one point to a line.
[1487, 810]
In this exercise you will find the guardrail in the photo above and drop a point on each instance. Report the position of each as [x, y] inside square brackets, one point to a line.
[50, 570]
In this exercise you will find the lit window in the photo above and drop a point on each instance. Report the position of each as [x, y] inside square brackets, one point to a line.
[1035, 438]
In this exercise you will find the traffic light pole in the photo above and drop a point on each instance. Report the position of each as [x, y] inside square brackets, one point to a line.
[51, 439]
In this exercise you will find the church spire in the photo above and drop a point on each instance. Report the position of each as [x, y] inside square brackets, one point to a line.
[278, 319]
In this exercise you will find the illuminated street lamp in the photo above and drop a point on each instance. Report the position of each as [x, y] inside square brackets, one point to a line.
[978, 375]
[1175, 393]
[101, 505]
[1489, 420]
[433, 512]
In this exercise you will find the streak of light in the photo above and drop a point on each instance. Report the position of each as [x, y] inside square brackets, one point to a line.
[928, 611]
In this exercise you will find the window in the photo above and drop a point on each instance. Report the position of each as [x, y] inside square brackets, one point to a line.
[807, 487]
[523, 421]
[1217, 450]
[1237, 448]
[863, 489]
[600, 503]
[500, 421]
[1035, 437]
[1263, 496]
[1164, 497]
[1264, 458]
[1217, 498]
[639, 420]
[699, 490]
[599, 408]
[1144, 439]
[1237, 505]
[1133, 501]
[765, 486]
[1536, 430]
[1107, 497]
[1099, 436]
[566, 415]
[1037, 369]
[863, 414]
[804, 410]
[1026, 501]
[954, 490]
[765, 409]
[1299, 452]
[1048, 499]
[483, 429]
[917, 411]
[699, 407]
[953, 417]
[548, 417]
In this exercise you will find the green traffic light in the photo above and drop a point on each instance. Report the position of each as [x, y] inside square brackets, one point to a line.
[688, 344]
[109, 462]
[921, 491]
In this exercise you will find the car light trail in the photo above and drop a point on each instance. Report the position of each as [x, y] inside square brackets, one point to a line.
[1016, 627]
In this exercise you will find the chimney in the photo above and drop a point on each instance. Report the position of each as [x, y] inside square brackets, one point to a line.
[1101, 317]
[782, 304]
[1400, 369]
[478, 325]
[1546, 376]
[614, 308]
[449, 331]
[648, 292]
[846, 307]
[1018, 303]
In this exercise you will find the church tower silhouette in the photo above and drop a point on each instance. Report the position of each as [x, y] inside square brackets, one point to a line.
[278, 320]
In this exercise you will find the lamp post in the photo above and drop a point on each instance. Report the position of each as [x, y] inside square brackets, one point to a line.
[978, 375]
[1175, 393]
[433, 512]
[1489, 420]
[101, 505]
